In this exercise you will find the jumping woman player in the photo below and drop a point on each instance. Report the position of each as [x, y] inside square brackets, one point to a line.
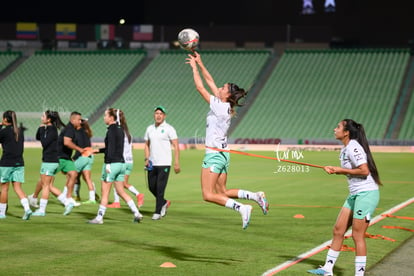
[216, 163]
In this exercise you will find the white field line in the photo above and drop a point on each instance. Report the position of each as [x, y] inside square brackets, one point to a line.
[324, 245]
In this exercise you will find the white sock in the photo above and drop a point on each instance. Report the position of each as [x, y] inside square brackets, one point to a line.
[360, 263]
[3, 207]
[42, 205]
[133, 207]
[62, 198]
[133, 190]
[116, 196]
[232, 204]
[65, 190]
[25, 204]
[331, 258]
[101, 212]
[247, 195]
[92, 195]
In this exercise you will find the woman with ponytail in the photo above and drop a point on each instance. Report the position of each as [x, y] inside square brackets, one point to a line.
[113, 170]
[358, 165]
[12, 163]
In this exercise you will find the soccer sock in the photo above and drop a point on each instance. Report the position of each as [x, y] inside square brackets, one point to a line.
[101, 212]
[360, 263]
[92, 195]
[42, 205]
[247, 195]
[62, 198]
[331, 258]
[3, 207]
[76, 189]
[116, 196]
[65, 190]
[232, 204]
[133, 190]
[25, 203]
[133, 207]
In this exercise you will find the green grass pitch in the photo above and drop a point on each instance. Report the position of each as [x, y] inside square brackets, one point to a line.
[198, 237]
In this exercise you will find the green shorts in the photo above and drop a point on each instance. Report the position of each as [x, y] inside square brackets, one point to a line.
[84, 163]
[49, 169]
[218, 162]
[128, 168]
[66, 165]
[11, 174]
[117, 172]
[363, 204]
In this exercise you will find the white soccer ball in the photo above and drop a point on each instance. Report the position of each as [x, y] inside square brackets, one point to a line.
[188, 39]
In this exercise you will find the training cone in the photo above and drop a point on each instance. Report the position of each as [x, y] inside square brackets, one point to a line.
[168, 264]
[299, 216]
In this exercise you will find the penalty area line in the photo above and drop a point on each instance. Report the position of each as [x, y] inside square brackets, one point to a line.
[326, 244]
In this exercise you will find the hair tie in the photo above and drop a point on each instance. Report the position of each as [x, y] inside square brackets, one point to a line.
[118, 121]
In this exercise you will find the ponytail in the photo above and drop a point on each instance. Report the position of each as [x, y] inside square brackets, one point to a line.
[10, 117]
[357, 132]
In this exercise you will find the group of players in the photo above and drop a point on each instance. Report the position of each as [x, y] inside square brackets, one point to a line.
[57, 156]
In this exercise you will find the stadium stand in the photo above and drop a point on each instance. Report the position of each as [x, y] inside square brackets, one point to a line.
[310, 91]
[66, 82]
[297, 96]
[7, 58]
[168, 81]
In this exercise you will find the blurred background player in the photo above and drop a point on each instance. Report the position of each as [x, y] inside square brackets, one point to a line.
[113, 169]
[129, 163]
[66, 144]
[12, 163]
[47, 134]
[84, 162]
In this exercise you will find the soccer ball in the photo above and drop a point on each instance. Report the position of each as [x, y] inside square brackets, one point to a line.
[188, 39]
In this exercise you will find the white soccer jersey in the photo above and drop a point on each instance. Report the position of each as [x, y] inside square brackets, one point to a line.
[352, 156]
[127, 150]
[160, 143]
[218, 123]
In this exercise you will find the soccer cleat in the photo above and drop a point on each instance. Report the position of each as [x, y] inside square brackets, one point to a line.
[89, 202]
[140, 200]
[77, 198]
[138, 218]
[68, 209]
[262, 201]
[2, 216]
[156, 217]
[245, 211]
[38, 213]
[320, 271]
[95, 221]
[27, 214]
[75, 203]
[97, 198]
[114, 205]
[165, 207]
[33, 201]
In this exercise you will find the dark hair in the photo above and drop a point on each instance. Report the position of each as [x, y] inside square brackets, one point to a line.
[85, 125]
[54, 118]
[357, 132]
[236, 94]
[120, 119]
[10, 117]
